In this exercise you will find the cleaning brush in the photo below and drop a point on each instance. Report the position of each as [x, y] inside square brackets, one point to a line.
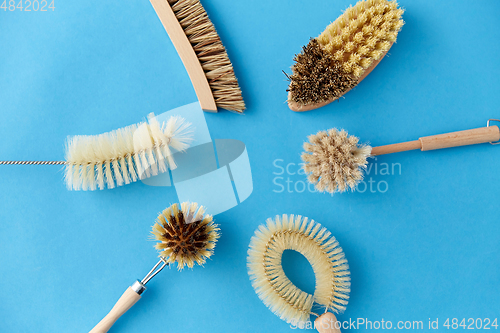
[185, 236]
[121, 156]
[344, 54]
[334, 159]
[202, 53]
[322, 251]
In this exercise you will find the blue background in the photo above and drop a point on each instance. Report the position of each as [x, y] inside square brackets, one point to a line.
[426, 248]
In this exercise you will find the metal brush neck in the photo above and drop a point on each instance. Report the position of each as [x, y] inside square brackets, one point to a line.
[140, 286]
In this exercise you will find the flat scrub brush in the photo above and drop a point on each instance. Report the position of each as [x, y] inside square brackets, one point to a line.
[344, 54]
[324, 254]
[202, 53]
[335, 160]
[121, 156]
[185, 236]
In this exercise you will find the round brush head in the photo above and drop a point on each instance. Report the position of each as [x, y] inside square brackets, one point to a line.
[322, 251]
[185, 235]
[338, 59]
[334, 159]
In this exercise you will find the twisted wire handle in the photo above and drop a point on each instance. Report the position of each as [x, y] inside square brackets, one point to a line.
[33, 162]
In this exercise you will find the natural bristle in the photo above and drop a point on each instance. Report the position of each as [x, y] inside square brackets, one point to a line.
[322, 251]
[333, 160]
[362, 34]
[317, 77]
[353, 43]
[124, 155]
[185, 235]
[211, 53]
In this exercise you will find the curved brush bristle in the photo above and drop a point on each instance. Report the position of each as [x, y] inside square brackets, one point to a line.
[334, 160]
[362, 34]
[211, 53]
[335, 61]
[185, 235]
[322, 251]
[124, 155]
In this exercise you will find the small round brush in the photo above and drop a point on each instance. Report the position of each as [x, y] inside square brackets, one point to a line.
[335, 160]
[344, 54]
[185, 236]
[121, 156]
[324, 254]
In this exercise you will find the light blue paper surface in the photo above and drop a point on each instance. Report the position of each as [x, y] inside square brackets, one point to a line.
[213, 189]
[192, 114]
[421, 238]
[202, 172]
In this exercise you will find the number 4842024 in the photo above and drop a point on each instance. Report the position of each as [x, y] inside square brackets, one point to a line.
[28, 5]
[471, 323]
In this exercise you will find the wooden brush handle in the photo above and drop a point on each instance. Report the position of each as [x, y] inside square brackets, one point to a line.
[448, 140]
[187, 54]
[126, 301]
[326, 323]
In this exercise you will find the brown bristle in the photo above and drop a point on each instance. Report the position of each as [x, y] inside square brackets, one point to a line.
[333, 160]
[317, 77]
[185, 236]
[211, 53]
[353, 44]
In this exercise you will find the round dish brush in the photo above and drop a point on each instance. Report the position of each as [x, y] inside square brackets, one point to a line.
[185, 236]
[344, 54]
[335, 160]
[121, 156]
[324, 254]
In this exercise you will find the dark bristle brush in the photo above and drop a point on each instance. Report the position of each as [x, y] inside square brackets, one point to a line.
[185, 236]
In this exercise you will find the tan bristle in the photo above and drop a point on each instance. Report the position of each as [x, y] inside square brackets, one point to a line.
[322, 251]
[334, 159]
[185, 235]
[353, 43]
[367, 31]
[211, 53]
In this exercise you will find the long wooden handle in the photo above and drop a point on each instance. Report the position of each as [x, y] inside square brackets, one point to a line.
[126, 301]
[327, 323]
[187, 54]
[448, 140]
